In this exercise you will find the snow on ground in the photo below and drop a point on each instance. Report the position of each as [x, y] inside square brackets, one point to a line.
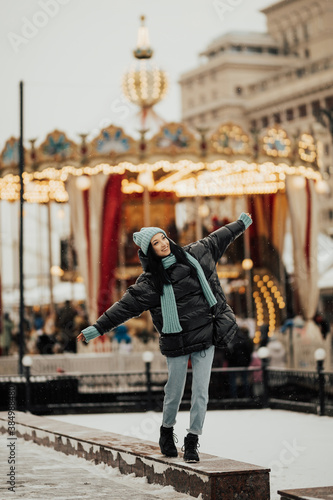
[298, 448]
[39, 467]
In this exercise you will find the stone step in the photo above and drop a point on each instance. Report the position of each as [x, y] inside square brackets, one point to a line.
[321, 493]
[214, 478]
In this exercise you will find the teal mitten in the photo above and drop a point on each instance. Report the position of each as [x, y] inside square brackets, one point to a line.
[90, 333]
[246, 219]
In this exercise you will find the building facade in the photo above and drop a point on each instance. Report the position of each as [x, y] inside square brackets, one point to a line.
[283, 77]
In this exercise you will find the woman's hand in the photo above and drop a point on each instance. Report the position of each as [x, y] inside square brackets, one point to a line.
[246, 218]
[88, 334]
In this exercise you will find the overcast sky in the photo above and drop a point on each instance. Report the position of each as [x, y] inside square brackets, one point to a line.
[72, 54]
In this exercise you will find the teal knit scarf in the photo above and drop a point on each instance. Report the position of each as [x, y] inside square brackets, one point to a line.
[168, 302]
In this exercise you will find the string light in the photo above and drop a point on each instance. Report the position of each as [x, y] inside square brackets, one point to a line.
[184, 177]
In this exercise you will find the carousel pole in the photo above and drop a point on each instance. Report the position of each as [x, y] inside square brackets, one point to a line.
[198, 225]
[21, 276]
[49, 230]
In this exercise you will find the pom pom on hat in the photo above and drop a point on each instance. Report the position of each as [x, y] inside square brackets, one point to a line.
[143, 237]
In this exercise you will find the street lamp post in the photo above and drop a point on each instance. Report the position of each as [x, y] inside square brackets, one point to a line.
[263, 354]
[27, 363]
[148, 357]
[21, 276]
[320, 355]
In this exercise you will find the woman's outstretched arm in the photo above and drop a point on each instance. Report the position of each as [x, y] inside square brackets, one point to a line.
[137, 299]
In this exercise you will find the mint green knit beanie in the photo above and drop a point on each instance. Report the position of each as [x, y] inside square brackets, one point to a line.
[143, 237]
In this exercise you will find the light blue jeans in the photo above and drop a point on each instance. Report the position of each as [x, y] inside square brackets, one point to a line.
[174, 388]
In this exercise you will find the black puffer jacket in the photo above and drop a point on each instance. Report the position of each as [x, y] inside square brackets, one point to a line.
[195, 315]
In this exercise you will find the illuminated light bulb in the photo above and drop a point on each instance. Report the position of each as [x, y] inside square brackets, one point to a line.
[83, 183]
[322, 187]
[298, 182]
[56, 271]
[263, 289]
[270, 284]
[146, 179]
[203, 211]
[260, 284]
[265, 278]
[273, 289]
[255, 294]
[247, 264]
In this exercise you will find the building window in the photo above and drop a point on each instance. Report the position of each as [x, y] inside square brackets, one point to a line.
[273, 50]
[264, 121]
[315, 107]
[302, 111]
[300, 72]
[307, 53]
[253, 124]
[290, 114]
[277, 118]
[327, 149]
[314, 68]
[257, 50]
[285, 46]
[239, 90]
[236, 48]
[329, 102]
[305, 32]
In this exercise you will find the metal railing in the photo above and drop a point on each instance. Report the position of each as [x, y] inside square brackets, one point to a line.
[230, 388]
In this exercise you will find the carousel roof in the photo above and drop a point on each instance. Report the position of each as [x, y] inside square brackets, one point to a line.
[228, 161]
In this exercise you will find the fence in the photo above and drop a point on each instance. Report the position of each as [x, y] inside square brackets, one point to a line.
[111, 362]
[230, 388]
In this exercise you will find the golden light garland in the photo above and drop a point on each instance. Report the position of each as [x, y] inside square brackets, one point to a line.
[307, 148]
[186, 179]
[276, 143]
[269, 293]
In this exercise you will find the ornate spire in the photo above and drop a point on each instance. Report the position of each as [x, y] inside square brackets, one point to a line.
[143, 49]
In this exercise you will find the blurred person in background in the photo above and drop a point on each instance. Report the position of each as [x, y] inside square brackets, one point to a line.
[6, 334]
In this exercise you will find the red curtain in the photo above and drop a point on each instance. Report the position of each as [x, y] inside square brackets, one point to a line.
[110, 238]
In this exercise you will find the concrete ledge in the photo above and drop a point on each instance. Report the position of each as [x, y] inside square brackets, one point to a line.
[322, 493]
[215, 478]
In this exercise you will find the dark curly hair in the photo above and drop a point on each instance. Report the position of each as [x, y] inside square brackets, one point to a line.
[155, 265]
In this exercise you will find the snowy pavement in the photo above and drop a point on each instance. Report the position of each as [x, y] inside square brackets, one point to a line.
[43, 473]
[298, 448]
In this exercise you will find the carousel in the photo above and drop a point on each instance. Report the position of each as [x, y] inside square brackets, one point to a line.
[189, 182]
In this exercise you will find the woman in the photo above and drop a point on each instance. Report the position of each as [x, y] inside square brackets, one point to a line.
[181, 289]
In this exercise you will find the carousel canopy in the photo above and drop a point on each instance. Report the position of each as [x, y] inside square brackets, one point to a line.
[227, 162]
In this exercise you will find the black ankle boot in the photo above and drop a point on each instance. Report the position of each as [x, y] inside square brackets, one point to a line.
[190, 448]
[167, 442]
